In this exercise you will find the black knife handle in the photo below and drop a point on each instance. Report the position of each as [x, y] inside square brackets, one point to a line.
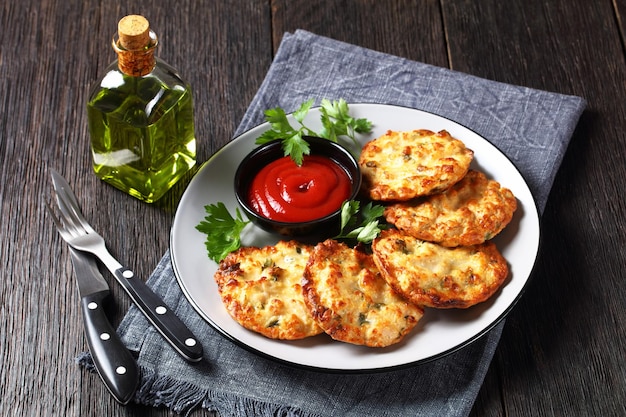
[114, 362]
[161, 316]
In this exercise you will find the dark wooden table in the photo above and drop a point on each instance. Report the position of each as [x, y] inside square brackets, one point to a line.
[562, 352]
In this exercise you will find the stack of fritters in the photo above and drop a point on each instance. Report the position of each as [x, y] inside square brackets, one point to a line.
[438, 254]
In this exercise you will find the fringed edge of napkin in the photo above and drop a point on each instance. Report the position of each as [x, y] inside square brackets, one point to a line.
[183, 397]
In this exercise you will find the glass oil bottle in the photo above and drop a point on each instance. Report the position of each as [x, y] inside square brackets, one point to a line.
[140, 116]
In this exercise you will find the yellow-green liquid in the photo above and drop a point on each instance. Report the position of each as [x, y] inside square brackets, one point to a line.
[142, 132]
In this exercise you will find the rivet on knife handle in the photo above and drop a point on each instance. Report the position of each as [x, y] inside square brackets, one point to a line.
[161, 316]
[114, 363]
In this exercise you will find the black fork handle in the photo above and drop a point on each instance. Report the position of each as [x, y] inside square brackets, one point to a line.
[160, 315]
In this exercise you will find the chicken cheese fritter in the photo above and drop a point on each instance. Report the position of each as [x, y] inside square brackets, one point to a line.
[431, 275]
[470, 212]
[260, 288]
[399, 166]
[351, 301]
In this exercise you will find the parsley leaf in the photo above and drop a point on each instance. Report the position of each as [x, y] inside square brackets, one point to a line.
[301, 113]
[292, 142]
[372, 212]
[222, 230]
[369, 226]
[337, 122]
[296, 147]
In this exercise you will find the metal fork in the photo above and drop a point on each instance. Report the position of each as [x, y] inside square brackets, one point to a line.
[79, 234]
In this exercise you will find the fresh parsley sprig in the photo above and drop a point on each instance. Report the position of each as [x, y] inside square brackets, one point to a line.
[223, 231]
[293, 143]
[336, 122]
[365, 230]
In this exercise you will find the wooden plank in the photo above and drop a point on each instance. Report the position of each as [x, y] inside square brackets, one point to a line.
[562, 346]
[51, 51]
[405, 28]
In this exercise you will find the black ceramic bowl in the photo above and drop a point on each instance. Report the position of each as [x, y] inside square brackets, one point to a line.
[326, 226]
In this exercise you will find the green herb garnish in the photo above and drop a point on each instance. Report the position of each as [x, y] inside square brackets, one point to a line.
[222, 229]
[369, 226]
[336, 122]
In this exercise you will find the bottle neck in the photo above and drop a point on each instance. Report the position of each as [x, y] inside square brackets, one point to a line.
[138, 62]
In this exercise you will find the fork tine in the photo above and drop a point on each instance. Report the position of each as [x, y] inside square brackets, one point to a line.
[70, 218]
[57, 222]
[70, 207]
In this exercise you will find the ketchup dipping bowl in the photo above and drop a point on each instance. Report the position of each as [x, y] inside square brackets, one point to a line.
[297, 201]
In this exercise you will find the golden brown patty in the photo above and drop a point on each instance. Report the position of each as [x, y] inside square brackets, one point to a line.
[473, 210]
[260, 288]
[351, 301]
[404, 165]
[435, 276]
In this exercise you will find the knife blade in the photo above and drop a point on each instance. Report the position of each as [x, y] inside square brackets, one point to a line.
[113, 361]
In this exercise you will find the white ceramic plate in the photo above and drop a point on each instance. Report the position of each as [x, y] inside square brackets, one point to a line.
[440, 332]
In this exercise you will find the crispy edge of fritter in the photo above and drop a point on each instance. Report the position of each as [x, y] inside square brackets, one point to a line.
[472, 211]
[417, 283]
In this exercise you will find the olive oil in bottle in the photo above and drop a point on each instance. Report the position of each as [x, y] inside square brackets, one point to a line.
[140, 116]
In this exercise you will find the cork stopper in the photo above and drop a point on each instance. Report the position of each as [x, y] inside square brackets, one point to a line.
[135, 46]
[134, 32]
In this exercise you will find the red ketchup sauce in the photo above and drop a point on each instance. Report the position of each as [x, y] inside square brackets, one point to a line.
[286, 192]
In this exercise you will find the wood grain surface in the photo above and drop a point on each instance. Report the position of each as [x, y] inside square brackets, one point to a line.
[562, 352]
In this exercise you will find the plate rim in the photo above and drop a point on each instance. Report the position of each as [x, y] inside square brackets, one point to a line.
[409, 364]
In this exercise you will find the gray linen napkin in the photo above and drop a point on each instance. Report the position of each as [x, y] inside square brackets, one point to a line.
[531, 127]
